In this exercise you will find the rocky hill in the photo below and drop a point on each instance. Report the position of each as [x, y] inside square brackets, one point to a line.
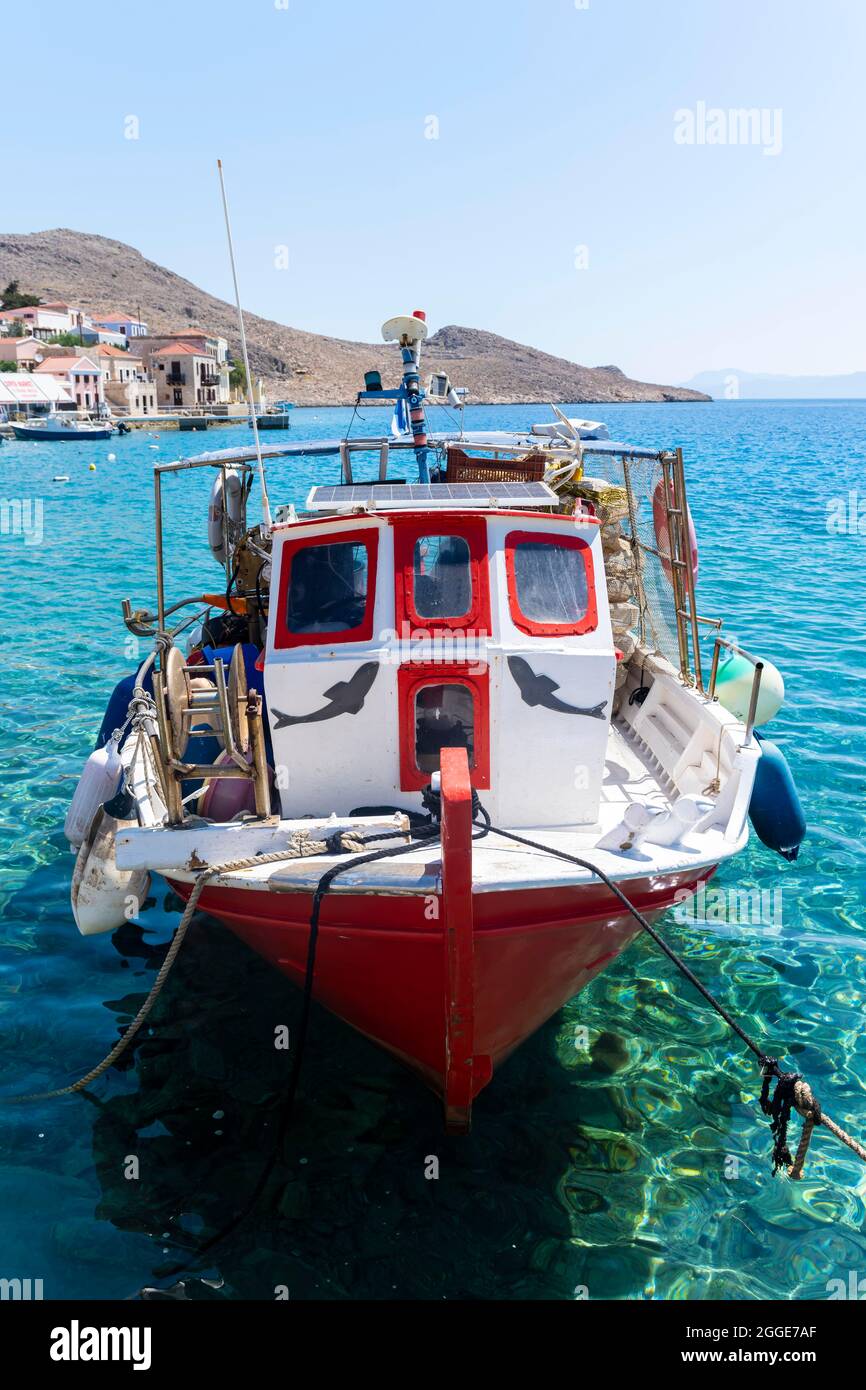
[107, 276]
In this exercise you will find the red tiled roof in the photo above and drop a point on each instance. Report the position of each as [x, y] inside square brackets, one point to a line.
[175, 348]
[109, 350]
[63, 364]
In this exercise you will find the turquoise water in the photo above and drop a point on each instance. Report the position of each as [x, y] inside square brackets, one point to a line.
[628, 1161]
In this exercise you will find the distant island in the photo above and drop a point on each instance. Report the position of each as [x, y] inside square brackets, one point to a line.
[115, 282]
[732, 384]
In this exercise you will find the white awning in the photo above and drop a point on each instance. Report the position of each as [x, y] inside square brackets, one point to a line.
[23, 388]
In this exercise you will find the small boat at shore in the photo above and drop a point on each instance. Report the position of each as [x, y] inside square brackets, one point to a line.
[430, 737]
[276, 417]
[59, 427]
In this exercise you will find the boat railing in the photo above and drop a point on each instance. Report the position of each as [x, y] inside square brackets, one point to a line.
[673, 561]
[180, 466]
[364, 446]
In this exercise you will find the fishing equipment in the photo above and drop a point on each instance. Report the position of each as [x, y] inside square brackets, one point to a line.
[192, 701]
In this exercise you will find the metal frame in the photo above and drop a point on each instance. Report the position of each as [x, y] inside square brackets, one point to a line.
[184, 465]
[172, 770]
[359, 445]
[756, 679]
[682, 576]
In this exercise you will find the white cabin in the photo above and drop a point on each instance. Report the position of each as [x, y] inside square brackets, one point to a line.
[396, 631]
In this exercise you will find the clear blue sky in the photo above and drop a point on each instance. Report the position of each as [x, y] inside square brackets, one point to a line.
[556, 131]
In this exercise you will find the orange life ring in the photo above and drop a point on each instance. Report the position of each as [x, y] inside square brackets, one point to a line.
[660, 525]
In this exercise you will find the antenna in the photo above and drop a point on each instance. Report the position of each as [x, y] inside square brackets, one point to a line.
[266, 506]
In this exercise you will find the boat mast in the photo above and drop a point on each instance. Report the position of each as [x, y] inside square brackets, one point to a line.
[410, 331]
[266, 506]
[411, 350]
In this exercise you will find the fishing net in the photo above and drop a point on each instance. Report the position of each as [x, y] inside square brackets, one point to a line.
[649, 577]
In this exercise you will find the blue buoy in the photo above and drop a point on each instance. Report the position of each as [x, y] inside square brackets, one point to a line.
[775, 809]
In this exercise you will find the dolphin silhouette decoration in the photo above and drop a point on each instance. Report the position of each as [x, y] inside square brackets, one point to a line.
[538, 690]
[346, 697]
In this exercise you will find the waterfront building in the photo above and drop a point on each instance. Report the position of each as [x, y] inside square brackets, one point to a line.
[26, 353]
[84, 377]
[187, 371]
[128, 387]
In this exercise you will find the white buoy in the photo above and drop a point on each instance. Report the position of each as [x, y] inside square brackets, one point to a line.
[734, 689]
[99, 780]
[112, 458]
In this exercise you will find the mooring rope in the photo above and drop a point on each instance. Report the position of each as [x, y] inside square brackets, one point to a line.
[302, 847]
[792, 1090]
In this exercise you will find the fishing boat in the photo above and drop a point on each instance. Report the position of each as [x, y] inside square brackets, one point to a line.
[436, 737]
[58, 427]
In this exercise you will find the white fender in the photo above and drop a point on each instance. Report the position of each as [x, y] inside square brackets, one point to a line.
[230, 503]
[103, 896]
[99, 780]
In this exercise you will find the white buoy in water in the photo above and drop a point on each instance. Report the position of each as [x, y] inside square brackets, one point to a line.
[112, 458]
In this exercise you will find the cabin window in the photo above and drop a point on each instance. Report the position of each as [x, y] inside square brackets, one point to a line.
[550, 583]
[444, 718]
[442, 705]
[441, 574]
[327, 589]
[442, 577]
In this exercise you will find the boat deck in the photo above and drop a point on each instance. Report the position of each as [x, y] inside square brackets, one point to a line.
[499, 865]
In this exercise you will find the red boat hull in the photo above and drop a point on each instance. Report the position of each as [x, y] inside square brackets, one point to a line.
[452, 982]
[380, 964]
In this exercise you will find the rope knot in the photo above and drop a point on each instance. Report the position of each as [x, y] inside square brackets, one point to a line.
[779, 1108]
[807, 1103]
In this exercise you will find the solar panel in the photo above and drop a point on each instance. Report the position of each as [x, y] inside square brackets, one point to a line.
[378, 496]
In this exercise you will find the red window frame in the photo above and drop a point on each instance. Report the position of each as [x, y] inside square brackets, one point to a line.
[588, 622]
[473, 530]
[411, 679]
[367, 536]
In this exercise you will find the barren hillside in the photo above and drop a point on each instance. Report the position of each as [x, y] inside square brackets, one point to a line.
[311, 369]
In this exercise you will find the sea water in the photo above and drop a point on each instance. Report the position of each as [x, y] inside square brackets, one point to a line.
[620, 1153]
